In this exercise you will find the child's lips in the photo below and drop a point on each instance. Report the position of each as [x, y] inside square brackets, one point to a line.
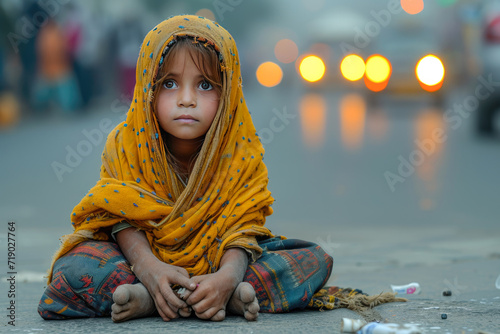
[186, 119]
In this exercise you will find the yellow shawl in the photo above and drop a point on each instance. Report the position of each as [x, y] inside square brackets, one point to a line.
[226, 200]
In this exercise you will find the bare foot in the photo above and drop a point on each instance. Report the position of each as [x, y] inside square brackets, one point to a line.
[244, 302]
[131, 301]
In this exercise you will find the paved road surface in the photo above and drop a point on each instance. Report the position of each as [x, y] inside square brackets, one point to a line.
[439, 227]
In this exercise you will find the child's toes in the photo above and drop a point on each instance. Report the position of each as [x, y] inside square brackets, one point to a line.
[121, 296]
[253, 307]
[251, 316]
[115, 308]
[118, 313]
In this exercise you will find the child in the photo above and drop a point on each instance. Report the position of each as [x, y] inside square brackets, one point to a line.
[183, 191]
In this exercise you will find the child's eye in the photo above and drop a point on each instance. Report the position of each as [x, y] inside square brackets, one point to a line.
[205, 85]
[169, 84]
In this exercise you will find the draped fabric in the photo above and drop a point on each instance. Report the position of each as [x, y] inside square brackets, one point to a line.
[225, 201]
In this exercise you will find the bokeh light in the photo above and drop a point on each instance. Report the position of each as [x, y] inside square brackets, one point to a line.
[312, 109]
[9, 110]
[286, 51]
[412, 6]
[427, 157]
[352, 67]
[378, 69]
[352, 120]
[430, 71]
[377, 73]
[269, 74]
[375, 86]
[207, 13]
[322, 50]
[312, 68]
[431, 89]
[430, 134]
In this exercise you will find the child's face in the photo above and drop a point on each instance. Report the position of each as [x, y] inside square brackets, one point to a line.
[186, 103]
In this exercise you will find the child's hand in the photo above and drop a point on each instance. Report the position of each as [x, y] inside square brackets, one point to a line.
[158, 277]
[212, 294]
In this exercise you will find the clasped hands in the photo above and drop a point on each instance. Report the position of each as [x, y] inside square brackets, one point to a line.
[176, 294]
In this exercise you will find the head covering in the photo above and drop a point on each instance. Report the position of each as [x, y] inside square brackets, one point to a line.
[226, 200]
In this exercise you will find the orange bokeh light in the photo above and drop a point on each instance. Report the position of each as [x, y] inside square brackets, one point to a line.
[431, 88]
[378, 72]
[430, 73]
[430, 139]
[430, 129]
[322, 50]
[286, 51]
[313, 119]
[378, 69]
[412, 6]
[312, 68]
[375, 86]
[269, 74]
[352, 67]
[352, 120]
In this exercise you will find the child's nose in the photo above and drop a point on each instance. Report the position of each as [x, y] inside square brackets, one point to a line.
[186, 98]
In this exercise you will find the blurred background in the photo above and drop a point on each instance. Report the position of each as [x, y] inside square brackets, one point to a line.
[379, 118]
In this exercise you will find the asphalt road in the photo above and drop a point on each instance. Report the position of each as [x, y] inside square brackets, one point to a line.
[437, 225]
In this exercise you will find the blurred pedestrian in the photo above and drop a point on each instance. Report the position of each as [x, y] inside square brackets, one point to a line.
[88, 34]
[129, 36]
[55, 82]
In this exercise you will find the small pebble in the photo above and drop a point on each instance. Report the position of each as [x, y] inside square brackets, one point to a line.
[444, 316]
[447, 293]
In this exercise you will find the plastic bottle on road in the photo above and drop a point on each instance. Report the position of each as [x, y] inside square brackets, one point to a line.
[408, 289]
[378, 328]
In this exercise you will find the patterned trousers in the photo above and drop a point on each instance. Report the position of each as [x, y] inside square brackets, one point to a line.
[285, 278]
